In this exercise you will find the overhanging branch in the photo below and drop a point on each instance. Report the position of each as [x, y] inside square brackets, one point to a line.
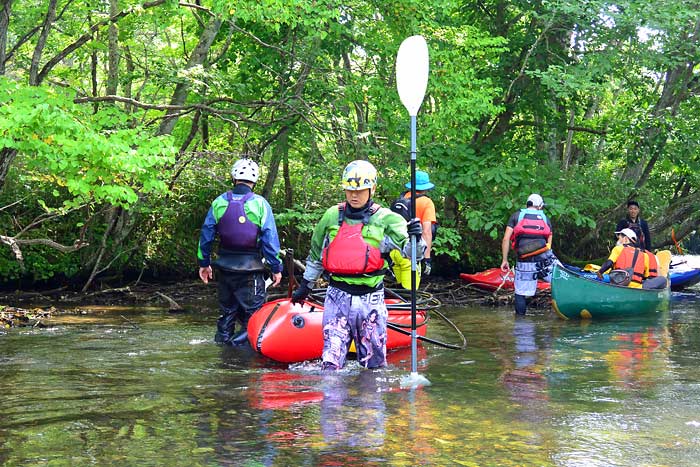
[14, 244]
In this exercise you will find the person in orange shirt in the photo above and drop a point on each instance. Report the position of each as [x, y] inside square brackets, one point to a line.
[425, 211]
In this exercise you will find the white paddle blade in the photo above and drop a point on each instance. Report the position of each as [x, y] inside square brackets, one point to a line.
[412, 66]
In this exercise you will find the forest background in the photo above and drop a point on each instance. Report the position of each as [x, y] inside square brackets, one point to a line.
[120, 120]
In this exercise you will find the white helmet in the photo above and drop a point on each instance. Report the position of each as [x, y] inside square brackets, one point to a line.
[359, 175]
[246, 170]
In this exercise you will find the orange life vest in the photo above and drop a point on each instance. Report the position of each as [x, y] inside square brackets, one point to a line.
[632, 259]
[653, 264]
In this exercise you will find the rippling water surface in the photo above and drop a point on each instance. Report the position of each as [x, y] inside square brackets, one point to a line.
[145, 387]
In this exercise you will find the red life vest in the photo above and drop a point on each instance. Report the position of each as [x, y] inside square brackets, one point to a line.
[348, 254]
[632, 259]
[653, 264]
[533, 226]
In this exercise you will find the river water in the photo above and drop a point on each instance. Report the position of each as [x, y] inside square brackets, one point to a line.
[140, 387]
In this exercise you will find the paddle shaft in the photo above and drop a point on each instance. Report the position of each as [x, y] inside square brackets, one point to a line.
[413, 240]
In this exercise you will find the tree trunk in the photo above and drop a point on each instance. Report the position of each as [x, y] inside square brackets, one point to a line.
[93, 79]
[113, 58]
[7, 155]
[41, 43]
[85, 38]
[5, 11]
[655, 138]
[651, 147]
[681, 215]
[128, 81]
[288, 187]
[205, 131]
[198, 57]
[280, 152]
[451, 210]
[281, 148]
[112, 220]
[568, 150]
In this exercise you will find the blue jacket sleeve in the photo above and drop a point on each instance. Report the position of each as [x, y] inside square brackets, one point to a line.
[269, 240]
[206, 239]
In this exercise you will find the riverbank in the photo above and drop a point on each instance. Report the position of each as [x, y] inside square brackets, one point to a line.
[31, 308]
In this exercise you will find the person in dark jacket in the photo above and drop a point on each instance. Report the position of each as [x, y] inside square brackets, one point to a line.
[633, 220]
[247, 233]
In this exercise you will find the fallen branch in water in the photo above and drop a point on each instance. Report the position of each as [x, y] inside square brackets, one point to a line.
[174, 306]
[134, 325]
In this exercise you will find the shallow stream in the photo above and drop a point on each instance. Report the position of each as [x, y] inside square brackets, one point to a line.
[135, 387]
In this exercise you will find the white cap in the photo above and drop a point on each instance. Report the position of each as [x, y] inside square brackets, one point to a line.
[629, 233]
[536, 200]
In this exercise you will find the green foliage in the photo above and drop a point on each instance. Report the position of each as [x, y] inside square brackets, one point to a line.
[562, 98]
[71, 157]
[95, 158]
[9, 267]
[448, 243]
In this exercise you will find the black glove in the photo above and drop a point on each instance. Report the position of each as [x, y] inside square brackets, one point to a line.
[301, 292]
[414, 227]
[427, 266]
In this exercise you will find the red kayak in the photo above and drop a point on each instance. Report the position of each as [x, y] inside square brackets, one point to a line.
[493, 279]
[289, 332]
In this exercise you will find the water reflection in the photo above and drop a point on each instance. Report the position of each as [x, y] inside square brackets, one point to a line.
[524, 377]
[283, 390]
[631, 359]
[614, 377]
[523, 372]
[627, 353]
[352, 411]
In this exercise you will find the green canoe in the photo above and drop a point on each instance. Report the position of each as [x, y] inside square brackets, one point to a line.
[575, 297]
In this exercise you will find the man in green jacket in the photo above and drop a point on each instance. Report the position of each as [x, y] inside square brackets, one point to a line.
[350, 243]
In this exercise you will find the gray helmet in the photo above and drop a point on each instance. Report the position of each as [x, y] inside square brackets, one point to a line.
[246, 170]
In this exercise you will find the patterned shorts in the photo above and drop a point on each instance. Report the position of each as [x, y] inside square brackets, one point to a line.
[361, 318]
[528, 273]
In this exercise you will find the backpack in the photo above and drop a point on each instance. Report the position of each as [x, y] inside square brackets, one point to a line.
[403, 206]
